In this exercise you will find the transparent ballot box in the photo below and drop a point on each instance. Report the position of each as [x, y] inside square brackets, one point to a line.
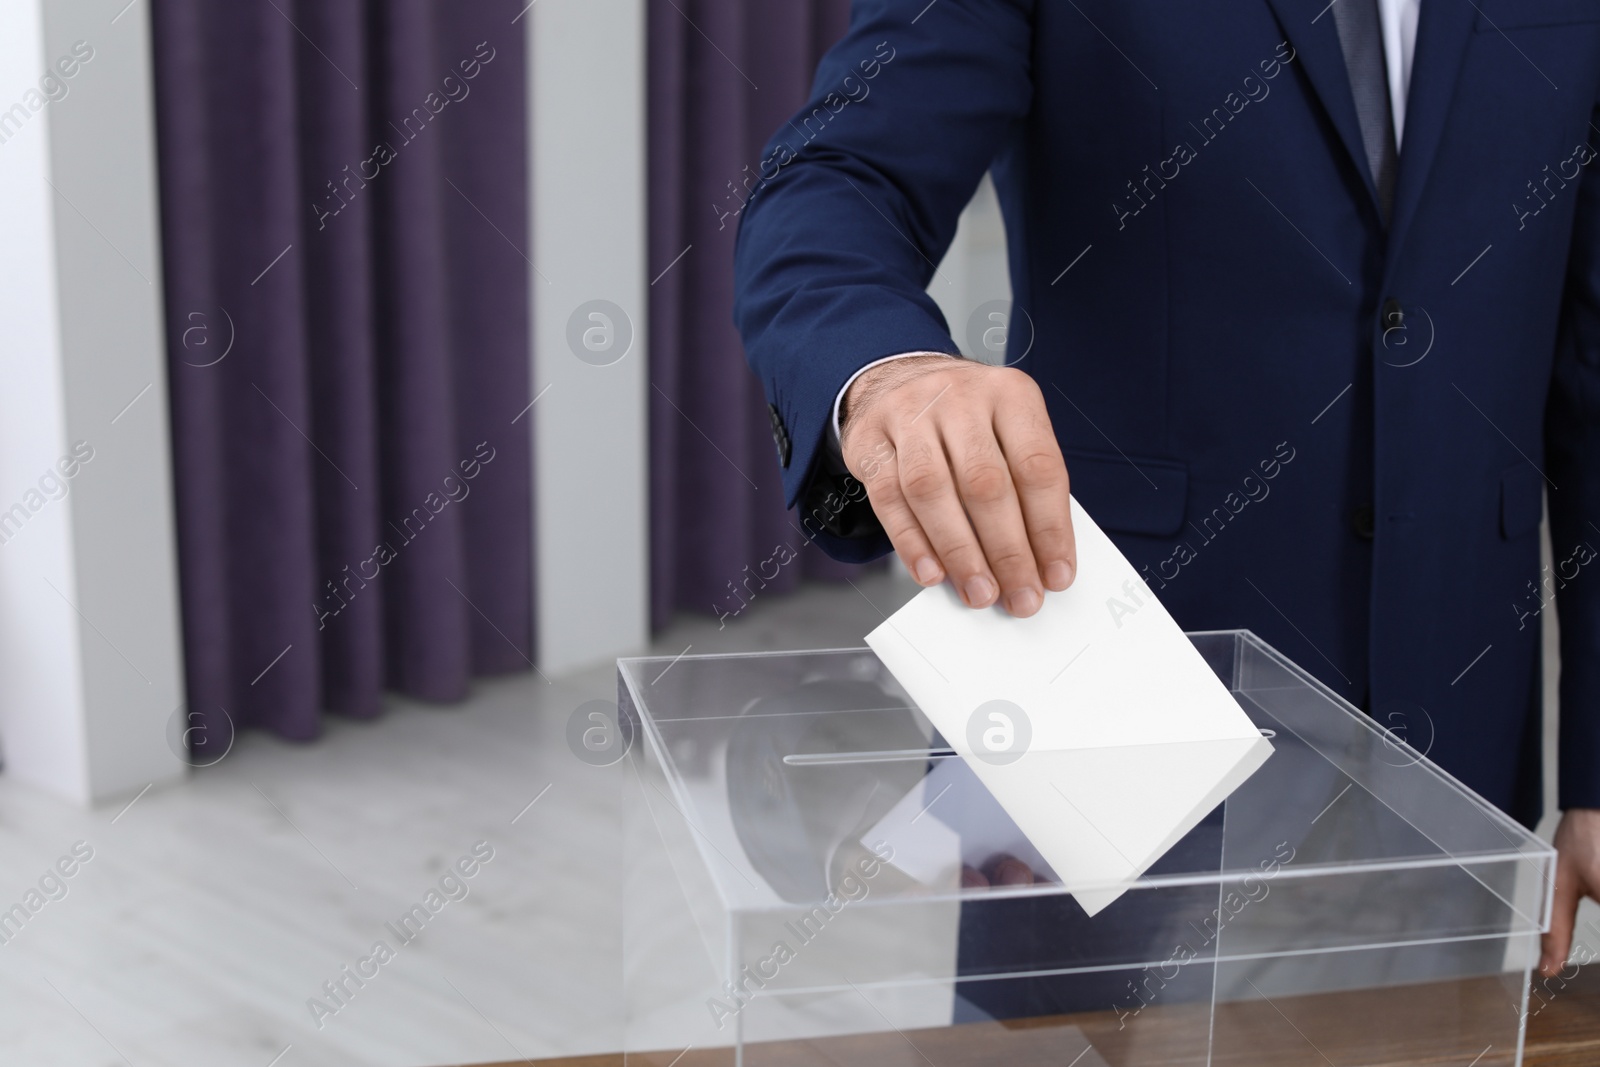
[812, 876]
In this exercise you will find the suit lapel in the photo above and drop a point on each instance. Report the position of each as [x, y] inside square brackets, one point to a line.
[1311, 31]
[1443, 30]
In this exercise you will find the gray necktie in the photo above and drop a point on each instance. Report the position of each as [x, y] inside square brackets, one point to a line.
[1361, 41]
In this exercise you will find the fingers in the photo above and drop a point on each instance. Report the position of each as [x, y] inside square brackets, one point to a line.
[1001, 869]
[1040, 476]
[1006, 869]
[963, 471]
[930, 489]
[984, 481]
[1557, 944]
[881, 477]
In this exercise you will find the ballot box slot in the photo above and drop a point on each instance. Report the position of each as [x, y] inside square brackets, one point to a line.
[897, 755]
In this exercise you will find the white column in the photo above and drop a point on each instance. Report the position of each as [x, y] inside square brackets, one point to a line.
[973, 275]
[591, 429]
[90, 660]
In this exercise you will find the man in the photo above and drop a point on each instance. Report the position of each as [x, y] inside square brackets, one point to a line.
[1307, 301]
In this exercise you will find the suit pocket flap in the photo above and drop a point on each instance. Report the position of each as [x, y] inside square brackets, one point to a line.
[1130, 494]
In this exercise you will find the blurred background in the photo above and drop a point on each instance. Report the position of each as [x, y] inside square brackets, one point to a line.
[370, 386]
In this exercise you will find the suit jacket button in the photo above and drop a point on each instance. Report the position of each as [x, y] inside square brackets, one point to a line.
[1361, 521]
[1393, 316]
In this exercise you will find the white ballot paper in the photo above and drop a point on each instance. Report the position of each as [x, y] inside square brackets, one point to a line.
[1095, 723]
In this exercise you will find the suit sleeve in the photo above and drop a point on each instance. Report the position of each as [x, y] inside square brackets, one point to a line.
[857, 201]
[1572, 449]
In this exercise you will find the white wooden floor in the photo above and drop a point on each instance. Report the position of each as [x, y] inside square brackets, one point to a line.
[211, 912]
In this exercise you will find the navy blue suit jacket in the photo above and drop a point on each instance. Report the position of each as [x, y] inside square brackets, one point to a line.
[1290, 416]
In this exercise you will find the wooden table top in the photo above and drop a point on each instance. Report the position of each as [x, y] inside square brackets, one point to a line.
[1367, 1028]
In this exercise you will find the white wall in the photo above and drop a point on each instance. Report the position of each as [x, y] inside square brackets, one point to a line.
[974, 274]
[90, 666]
[591, 429]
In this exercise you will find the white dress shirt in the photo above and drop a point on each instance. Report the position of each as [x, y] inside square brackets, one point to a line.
[1399, 21]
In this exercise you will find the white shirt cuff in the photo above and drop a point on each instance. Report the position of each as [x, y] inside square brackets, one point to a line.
[838, 401]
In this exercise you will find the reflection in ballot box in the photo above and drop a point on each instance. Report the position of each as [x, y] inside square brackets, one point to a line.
[813, 876]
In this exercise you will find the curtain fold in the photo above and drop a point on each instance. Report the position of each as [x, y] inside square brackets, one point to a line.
[724, 75]
[344, 197]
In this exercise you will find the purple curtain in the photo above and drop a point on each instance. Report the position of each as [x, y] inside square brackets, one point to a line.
[724, 75]
[344, 197]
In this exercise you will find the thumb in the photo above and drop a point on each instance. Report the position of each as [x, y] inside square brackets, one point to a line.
[1557, 944]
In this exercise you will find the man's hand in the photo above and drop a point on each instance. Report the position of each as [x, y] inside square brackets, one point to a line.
[1577, 876]
[963, 470]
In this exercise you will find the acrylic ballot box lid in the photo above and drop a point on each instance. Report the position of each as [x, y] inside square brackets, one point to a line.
[805, 856]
